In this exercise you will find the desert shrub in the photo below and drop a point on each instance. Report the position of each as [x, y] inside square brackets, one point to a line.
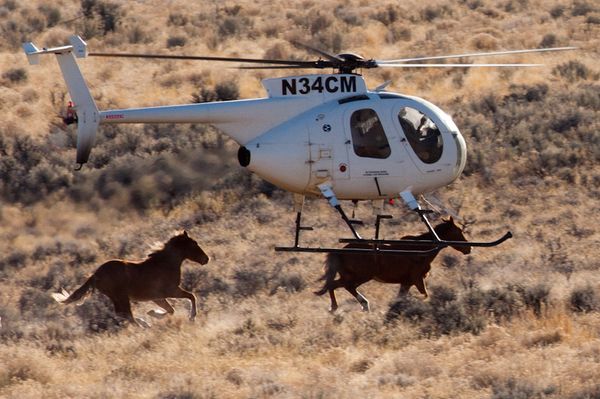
[230, 26]
[51, 13]
[398, 32]
[176, 41]
[572, 71]
[320, 23]
[557, 11]
[227, 91]
[331, 40]
[35, 302]
[445, 313]
[186, 394]
[98, 315]
[192, 279]
[593, 19]
[54, 279]
[592, 392]
[408, 308]
[450, 314]
[581, 8]
[449, 261]
[202, 282]
[484, 41]
[15, 259]
[535, 297]
[15, 75]
[502, 303]
[452, 318]
[101, 17]
[389, 15]
[289, 282]
[516, 389]
[429, 13]
[526, 93]
[177, 19]
[22, 368]
[223, 91]
[250, 282]
[584, 300]
[549, 40]
[348, 16]
[137, 34]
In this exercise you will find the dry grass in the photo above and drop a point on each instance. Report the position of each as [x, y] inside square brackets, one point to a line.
[521, 320]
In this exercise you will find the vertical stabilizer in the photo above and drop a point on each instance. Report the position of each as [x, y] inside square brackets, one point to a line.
[88, 117]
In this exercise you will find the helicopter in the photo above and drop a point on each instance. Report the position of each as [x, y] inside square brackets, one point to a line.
[324, 134]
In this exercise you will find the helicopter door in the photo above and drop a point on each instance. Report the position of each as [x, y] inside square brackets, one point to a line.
[373, 161]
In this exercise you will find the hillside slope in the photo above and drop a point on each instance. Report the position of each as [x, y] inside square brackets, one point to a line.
[519, 320]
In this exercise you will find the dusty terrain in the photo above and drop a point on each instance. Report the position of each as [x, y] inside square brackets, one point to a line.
[518, 321]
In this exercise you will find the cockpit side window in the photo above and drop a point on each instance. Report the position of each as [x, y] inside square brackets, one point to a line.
[422, 134]
[368, 137]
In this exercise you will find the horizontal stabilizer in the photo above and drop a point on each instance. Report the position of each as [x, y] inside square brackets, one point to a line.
[32, 53]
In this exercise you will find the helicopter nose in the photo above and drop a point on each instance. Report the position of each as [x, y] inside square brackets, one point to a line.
[461, 153]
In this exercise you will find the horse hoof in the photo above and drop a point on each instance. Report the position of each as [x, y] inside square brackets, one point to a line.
[157, 313]
[142, 323]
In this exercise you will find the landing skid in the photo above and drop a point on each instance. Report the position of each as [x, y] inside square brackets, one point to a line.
[376, 245]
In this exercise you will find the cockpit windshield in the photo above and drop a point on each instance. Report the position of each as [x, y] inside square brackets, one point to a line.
[422, 134]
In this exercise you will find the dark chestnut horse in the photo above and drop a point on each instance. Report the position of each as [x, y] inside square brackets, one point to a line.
[406, 270]
[155, 279]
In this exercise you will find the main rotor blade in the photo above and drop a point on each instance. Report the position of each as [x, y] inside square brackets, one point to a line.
[281, 67]
[329, 56]
[204, 58]
[457, 65]
[494, 53]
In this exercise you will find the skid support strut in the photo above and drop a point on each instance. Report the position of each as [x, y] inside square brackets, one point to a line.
[328, 193]
[298, 206]
[412, 203]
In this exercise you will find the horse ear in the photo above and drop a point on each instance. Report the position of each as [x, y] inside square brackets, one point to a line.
[451, 220]
[185, 234]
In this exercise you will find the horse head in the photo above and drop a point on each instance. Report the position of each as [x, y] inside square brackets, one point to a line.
[190, 248]
[451, 232]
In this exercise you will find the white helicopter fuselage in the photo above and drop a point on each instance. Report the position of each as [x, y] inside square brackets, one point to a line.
[302, 135]
[310, 131]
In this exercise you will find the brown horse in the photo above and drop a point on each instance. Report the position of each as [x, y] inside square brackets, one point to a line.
[155, 279]
[406, 270]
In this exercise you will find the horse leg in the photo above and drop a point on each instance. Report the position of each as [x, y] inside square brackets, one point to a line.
[359, 297]
[181, 293]
[164, 304]
[420, 284]
[403, 290]
[123, 308]
[334, 304]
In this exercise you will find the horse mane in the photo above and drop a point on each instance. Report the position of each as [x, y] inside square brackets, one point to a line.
[160, 248]
[440, 229]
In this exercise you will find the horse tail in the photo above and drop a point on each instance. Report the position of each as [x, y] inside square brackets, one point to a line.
[76, 296]
[331, 269]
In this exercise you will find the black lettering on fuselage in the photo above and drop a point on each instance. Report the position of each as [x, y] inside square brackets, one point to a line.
[288, 85]
[331, 84]
[348, 84]
[329, 87]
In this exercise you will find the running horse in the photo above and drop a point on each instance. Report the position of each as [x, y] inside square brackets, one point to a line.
[404, 269]
[154, 279]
